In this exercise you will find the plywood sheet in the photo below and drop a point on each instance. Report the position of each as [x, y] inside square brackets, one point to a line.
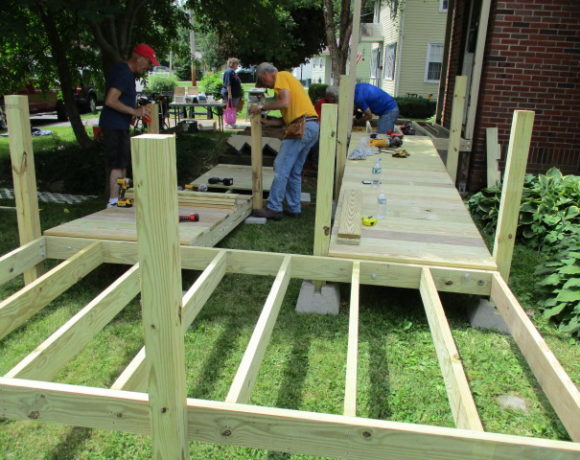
[242, 175]
[427, 221]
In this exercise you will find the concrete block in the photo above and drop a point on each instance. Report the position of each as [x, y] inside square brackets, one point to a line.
[326, 301]
[305, 197]
[255, 220]
[484, 315]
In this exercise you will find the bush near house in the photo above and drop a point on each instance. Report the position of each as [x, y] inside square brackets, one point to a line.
[211, 84]
[159, 84]
[549, 222]
[317, 91]
[416, 107]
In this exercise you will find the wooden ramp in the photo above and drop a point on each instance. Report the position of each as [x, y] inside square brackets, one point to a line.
[219, 214]
[426, 221]
[242, 175]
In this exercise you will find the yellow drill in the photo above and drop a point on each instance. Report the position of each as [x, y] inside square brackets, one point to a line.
[124, 183]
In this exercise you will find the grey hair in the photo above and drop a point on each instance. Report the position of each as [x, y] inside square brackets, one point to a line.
[332, 91]
[264, 67]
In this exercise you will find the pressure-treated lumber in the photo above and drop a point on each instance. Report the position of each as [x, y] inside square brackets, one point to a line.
[133, 378]
[557, 385]
[158, 251]
[49, 357]
[243, 384]
[269, 428]
[153, 127]
[23, 173]
[326, 160]
[447, 279]
[20, 306]
[349, 228]
[511, 193]
[493, 156]
[256, 147]
[345, 92]
[456, 124]
[352, 352]
[21, 259]
[458, 392]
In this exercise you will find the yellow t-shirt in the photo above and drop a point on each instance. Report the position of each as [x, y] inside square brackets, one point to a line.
[300, 103]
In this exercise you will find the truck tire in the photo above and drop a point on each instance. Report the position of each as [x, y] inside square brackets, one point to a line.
[61, 111]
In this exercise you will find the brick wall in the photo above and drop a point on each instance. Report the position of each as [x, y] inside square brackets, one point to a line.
[532, 62]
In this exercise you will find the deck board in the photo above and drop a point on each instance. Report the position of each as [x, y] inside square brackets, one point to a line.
[427, 221]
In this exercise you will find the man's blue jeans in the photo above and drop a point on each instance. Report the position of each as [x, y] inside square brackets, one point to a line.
[287, 183]
[387, 121]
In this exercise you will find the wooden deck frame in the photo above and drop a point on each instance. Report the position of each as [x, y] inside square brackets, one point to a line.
[171, 419]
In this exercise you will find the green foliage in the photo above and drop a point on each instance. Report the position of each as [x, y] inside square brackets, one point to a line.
[211, 83]
[416, 107]
[560, 287]
[317, 91]
[161, 83]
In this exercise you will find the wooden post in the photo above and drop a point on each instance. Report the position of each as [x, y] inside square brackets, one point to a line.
[352, 350]
[456, 123]
[257, 192]
[155, 181]
[493, 155]
[153, 127]
[511, 194]
[23, 174]
[344, 126]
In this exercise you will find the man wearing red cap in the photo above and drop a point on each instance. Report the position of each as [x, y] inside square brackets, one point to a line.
[120, 105]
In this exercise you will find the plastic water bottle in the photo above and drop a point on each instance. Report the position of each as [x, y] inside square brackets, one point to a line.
[377, 167]
[382, 205]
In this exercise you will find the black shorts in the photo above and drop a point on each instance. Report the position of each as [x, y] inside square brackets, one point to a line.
[117, 147]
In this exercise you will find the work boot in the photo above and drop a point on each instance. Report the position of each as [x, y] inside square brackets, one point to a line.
[295, 215]
[268, 213]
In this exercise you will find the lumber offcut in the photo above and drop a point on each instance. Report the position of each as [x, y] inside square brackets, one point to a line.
[349, 229]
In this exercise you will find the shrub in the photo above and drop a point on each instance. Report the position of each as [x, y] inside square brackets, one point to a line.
[317, 91]
[161, 83]
[416, 107]
[212, 84]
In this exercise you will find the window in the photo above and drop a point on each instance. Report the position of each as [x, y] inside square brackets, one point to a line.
[390, 57]
[376, 62]
[443, 6]
[434, 62]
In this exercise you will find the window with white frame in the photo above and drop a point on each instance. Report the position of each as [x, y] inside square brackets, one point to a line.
[390, 58]
[434, 62]
[376, 62]
[443, 6]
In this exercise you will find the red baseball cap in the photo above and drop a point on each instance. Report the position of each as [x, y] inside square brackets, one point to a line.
[146, 51]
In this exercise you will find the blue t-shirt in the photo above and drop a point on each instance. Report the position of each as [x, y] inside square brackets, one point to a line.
[120, 77]
[233, 79]
[367, 96]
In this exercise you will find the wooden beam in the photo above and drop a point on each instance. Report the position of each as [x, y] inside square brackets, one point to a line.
[16, 309]
[345, 92]
[286, 430]
[49, 357]
[493, 156]
[21, 259]
[458, 392]
[23, 173]
[133, 378]
[256, 146]
[511, 193]
[333, 269]
[349, 228]
[350, 388]
[557, 385]
[159, 258]
[456, 125]
[243, 384]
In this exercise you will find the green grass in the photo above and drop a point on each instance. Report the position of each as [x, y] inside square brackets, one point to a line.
[304, 365]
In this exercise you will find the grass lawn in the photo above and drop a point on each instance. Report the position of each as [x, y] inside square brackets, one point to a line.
[399, 377]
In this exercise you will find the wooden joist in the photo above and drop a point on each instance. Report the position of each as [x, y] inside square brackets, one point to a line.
[349, 227]
[21, 259]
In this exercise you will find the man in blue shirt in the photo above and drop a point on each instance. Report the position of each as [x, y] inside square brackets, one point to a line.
[120, 105]
[373, 100]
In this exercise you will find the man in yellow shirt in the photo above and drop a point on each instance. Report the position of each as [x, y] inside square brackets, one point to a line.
[294, 104]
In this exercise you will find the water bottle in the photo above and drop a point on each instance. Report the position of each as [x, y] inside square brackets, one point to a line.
[382, 205]
[377, 167]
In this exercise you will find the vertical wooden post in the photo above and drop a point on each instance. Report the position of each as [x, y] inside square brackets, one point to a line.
[511, 194]
[155, 181]
[153, 127]
[257, 192]
[23, 173]
[456, 123]
[344, 126]
[493, 155]
[350, 388]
